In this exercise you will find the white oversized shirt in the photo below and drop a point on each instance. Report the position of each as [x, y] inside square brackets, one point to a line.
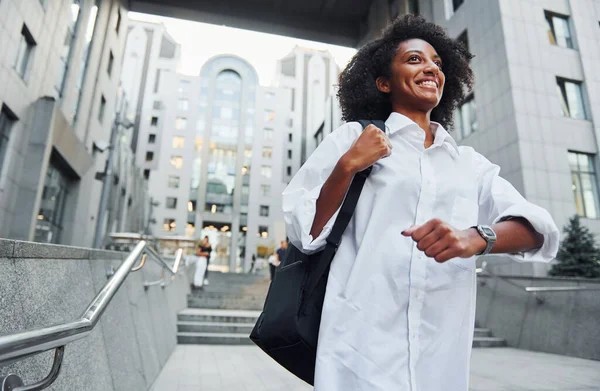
[394, 319]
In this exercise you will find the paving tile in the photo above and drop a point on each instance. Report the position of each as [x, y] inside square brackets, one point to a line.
[247, 368]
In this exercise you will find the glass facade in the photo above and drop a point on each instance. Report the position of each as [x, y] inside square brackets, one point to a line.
[222, 157]
[52, 206]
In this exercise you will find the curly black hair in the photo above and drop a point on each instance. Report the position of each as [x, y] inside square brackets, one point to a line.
[358, 94]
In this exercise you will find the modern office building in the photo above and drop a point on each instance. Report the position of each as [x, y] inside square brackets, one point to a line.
[219, 160]
[59, 72]
[150, 54]
[311, 76]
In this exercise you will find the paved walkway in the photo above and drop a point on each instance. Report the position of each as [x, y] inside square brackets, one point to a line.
[246, 368]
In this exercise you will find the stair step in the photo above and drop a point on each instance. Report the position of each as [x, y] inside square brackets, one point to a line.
[488, 342]
[213, 338]
[218, 315]
[481, 332]
[225, 303]
[215, 327]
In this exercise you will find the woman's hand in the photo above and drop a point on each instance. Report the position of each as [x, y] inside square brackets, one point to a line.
[441, 241]
[371, 145]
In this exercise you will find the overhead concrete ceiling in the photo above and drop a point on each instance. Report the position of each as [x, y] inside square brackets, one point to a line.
[339, 22]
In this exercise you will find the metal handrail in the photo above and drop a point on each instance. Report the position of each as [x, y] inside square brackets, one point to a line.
[17, 346]
[535, 289]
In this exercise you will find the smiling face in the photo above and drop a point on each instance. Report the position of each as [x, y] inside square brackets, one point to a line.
[417, 80]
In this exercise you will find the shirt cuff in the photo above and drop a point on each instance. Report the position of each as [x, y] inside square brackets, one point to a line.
[305, 215]
[543, 223]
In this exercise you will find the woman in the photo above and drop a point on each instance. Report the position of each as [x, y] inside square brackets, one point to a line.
[400, 302]
[204, 250]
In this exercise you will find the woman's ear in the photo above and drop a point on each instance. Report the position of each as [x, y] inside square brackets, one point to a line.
[383, 84]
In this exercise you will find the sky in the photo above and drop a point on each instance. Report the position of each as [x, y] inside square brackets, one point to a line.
[201, 41]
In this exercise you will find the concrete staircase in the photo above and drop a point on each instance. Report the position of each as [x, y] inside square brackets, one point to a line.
[225, 311]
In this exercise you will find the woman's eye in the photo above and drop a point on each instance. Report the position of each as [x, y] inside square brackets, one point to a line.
[439, 64]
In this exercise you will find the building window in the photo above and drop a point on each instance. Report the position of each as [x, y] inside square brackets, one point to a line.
[44, 4]
[176, 162]
[269, 116]
[456, 4]
[319, 135]
[413, 7]
[171, 203]
[154, 121]
[263, 231]
[151, 138]
[585, 186]
[289, 153]
[169, 225]
[393, 9]
[266, 171]
[118, 24]
[147, 174]
[264, 211]
[149, 156]
[268, 134]
[111, 60]
[178, 142]
[67, 48]
[571, 98]
[269, 98]
[267, 152]
[7, 121]
[184, 86]
[90, 28]
[290, 137]
[52, 206]
[173, 182]
[451, 6]
[289, 171]
[293, 98]
[25, 52]
[183, 104]
[558, 30]
[466, 117]
[464, 39]
[265, 190]
[157, 105]
[180, 123]
[101, 109]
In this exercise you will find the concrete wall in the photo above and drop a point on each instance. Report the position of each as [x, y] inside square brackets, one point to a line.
[44, 285]
[565, 323]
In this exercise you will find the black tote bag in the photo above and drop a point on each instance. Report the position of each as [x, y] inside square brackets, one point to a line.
[288, 327]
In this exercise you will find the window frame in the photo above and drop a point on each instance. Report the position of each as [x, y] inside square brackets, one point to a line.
[549, 16]
[576, 178]
[561, 84]
[25, 53]
[7, 122]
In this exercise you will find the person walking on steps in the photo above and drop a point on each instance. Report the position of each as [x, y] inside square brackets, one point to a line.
[204, 251]
[399, 308]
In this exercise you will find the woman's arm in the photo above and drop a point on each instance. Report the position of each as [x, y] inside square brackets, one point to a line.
[370, 146]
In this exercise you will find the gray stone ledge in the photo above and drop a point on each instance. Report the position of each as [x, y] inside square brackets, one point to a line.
[7, 248]
[48, 251]
[21, 249]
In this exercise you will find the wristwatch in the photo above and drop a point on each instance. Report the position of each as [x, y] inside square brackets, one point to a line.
[488, 234]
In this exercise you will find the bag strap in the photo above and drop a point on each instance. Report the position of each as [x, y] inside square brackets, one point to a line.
[343, 219]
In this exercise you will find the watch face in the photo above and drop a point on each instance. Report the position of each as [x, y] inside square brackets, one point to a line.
[488, 231]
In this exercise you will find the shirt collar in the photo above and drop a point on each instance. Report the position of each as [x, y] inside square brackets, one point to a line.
[397, 121]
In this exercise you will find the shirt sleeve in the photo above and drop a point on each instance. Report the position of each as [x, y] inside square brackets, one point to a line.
[499, 200]
[299, 199]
